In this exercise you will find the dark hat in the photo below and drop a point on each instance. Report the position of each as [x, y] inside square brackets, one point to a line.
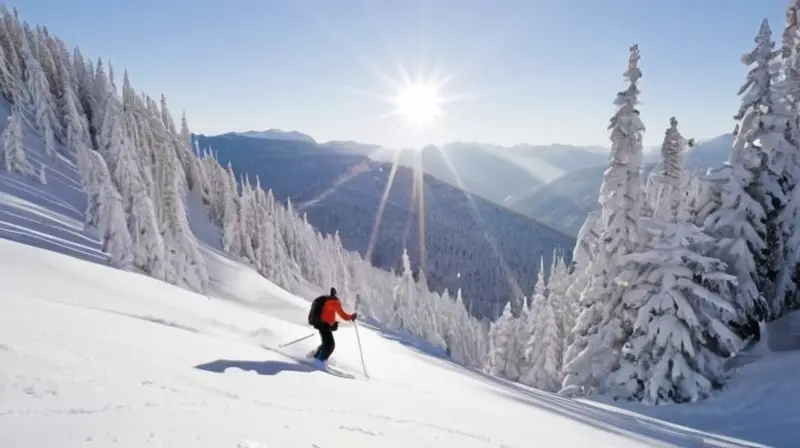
[333, 291]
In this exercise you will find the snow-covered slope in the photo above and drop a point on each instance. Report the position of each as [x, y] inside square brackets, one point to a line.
[93, 356]
[49, 215]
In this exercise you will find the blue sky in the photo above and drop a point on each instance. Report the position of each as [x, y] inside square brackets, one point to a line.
[535, 71]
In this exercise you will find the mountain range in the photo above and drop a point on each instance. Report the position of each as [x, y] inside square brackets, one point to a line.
[556, 184]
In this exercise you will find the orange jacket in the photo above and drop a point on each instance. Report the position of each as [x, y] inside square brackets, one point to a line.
[333, 307]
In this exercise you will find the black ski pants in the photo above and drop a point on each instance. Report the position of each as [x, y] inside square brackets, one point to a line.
[325, 350]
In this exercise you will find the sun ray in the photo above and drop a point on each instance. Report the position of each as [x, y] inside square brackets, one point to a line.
[381, 206]
[479, 219]
[351, 173]
[419, 180]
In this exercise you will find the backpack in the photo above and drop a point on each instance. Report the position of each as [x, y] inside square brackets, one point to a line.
[315, 312]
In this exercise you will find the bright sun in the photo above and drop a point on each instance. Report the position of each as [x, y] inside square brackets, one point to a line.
[418, 102]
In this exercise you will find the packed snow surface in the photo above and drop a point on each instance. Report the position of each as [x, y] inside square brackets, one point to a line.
[92, 356]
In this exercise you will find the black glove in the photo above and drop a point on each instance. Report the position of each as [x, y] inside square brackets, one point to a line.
[335, 326]
[354, 316]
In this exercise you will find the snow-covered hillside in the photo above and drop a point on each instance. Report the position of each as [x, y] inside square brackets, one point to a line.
[93, 356]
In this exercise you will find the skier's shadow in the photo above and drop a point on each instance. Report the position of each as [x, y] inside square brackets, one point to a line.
[260, 367]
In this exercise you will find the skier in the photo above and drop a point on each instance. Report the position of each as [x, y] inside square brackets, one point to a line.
[322, 316]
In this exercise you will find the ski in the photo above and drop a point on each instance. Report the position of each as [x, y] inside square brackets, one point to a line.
[310, 362]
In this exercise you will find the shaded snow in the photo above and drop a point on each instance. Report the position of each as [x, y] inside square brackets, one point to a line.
[47, 215]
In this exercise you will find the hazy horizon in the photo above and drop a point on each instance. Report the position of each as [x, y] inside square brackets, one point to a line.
[590, 147]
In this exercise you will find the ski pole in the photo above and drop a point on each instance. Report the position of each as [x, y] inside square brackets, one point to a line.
[295, 341]
[360, 351]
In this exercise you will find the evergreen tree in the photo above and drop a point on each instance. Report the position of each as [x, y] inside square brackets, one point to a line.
[14, 158]
[39, 93]
[765, 103]
[787, 283]
[111, 221]
[184, 252]
[739, 221]
[604, 323]
[680, 337]
[544, 372]
[501, 335]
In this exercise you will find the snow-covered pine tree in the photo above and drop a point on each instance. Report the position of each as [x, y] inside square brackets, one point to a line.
[229, 194]
[788, 282]
[556, 282]
[579, 274]
[99, 89]
[90, 181]
[263, 231]
[47, 62]
[604, 323]
[680, 336]
[530, 329]
[76, 127]
[501, 339]
[545, 371]
[544, 342]
[14, 158]
[662, 177]
[111, 219]
[790, 44]
[739, 220]
[765, 103]
[470, 344]
[39, 93]
[195, 177]
[7, 82]
[184, 252]
[13, 89]
[139, 135]
[245, 212]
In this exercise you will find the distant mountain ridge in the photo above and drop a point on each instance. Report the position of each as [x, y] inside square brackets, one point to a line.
[492, 172]
[275, 134]
[555, 184]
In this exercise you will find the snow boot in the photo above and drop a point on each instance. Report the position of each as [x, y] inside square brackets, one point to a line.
[320, 364]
